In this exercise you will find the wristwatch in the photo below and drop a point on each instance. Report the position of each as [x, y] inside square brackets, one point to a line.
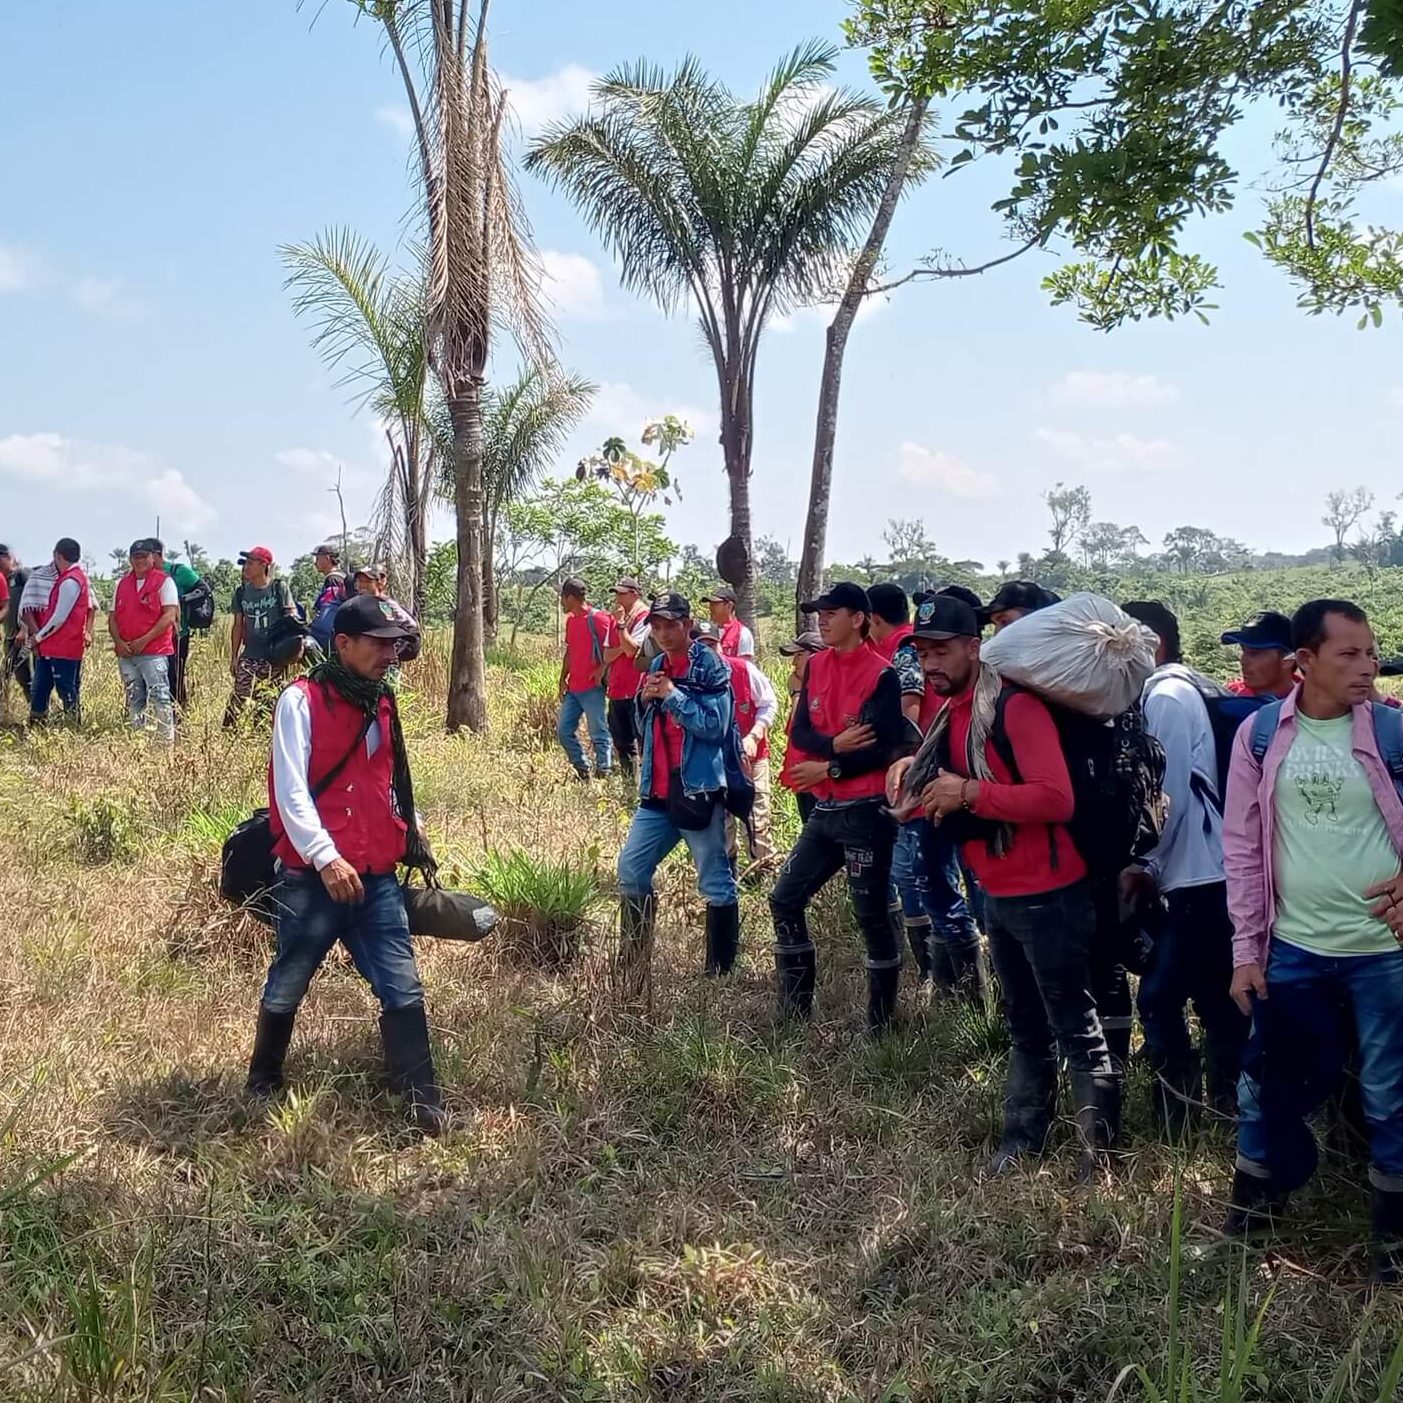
[835, 770]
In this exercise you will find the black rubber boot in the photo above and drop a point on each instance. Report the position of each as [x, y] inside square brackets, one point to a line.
[969, 977]
[1386, 1237]
[921, 938]
[265, 1067]
[1096, 1100]
[795, 974]
[722, 938]
[637, 915]
[1118, 1043]
[1030, 1100]
[882, 986]
[1175, 1095]
[1224, 1067]
[405, 1033]
[1255, 1205]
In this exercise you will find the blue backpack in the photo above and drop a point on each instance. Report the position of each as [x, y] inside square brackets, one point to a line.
[1388, 735]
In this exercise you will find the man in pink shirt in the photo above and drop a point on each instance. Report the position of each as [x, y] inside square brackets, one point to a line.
[590, 634]
[626, 663]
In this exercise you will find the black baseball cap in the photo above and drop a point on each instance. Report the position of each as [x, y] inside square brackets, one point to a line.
[1020, 594]
[1264, 630]
[724, 595]
[707, 632]
[326, 548]
[143, 545]
[962, 592]
[627, 585]
[670, 606]
[944, 616]
[368, 617]
[810, 641]
[844, 595]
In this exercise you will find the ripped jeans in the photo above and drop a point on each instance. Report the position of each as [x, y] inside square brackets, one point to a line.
[857, 838]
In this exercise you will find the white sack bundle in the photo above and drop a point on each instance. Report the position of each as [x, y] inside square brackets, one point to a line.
[1084, 654]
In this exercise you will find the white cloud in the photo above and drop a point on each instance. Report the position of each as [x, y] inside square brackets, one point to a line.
[1395, 396]
[395, 116]
[1112, 389]
[1116, 453]
[69, 465]
[176, 502]
[104, 297]
[573, 285]
[16, 269]
[620, 409]
[311, 462]
[537, 102]
[919, 466]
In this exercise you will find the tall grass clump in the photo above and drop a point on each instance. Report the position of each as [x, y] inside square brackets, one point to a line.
[545, 903]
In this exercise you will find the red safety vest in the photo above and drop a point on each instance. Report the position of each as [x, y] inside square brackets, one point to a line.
[730, 638]
[745, 703]
[136, 609]
[356, 809]
[888, 646]
[66, 641]
[838, 686]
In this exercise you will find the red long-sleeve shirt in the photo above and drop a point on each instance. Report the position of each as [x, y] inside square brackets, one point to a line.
[1042, 856]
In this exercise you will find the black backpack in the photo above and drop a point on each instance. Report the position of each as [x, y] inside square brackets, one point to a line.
[197, 607]
[1117, 773]
[1226, 713]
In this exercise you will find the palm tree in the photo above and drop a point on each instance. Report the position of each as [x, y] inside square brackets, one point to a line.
[743, 210]
[525, 428]
[481, 272]
[373, 323]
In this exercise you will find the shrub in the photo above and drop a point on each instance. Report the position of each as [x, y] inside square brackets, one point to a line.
[104, 830]
[545, 903]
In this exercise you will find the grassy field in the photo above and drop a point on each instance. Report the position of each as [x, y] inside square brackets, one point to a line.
[686, 1203]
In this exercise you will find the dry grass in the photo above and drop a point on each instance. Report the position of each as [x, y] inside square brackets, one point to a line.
[682, 1204]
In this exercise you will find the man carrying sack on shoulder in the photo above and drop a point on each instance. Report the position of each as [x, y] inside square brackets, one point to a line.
[341, 811]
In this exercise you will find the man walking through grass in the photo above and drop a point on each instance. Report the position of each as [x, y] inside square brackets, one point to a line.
[686, 717]
[259, 603]
[63, 634]
[142, 625]
[848, 724]
[1312, 846]
[338, 848]
[589, 635]
[1001, 788]
[630, 634]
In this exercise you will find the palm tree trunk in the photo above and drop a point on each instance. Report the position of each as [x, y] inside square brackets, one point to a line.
[467, 684]
[830, 386]
[491, 604]
[735, 449]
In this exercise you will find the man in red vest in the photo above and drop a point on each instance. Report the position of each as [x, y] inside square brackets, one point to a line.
[142, 625]
[848, 721]
[737, 641]
[338, 731]
[756, 707]
[625, 674]
[589, 635]
[62, 636]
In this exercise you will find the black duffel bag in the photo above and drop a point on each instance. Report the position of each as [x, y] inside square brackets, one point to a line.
[447, 915]
[247, 873]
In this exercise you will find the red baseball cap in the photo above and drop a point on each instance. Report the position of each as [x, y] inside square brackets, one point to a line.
[261, 553]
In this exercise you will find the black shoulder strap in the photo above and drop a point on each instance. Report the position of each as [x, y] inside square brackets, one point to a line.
[325, 782]
[998, 733]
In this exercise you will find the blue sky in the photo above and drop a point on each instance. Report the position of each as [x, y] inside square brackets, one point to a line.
[156, 153]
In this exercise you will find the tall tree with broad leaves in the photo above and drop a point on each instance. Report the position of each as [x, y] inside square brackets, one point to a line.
[481, 272]
[526, 425]
[1116, 115]
[742, 209]
[372, 323]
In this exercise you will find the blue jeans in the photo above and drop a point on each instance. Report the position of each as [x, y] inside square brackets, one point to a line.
[926, 875]
[375, 932]
[1297, 1053]
[61, 675]
[591, 706]
[146, 680]
[652, 835]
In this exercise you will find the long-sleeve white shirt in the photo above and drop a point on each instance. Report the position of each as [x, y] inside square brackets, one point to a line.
[69, 593]
[292, 787]
[762, 691]
[1190, 850]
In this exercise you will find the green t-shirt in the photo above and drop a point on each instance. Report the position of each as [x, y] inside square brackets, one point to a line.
[260, 606]
[185, 578]
[1331, 844]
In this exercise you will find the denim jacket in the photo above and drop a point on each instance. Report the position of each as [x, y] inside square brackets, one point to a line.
[705, 715]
